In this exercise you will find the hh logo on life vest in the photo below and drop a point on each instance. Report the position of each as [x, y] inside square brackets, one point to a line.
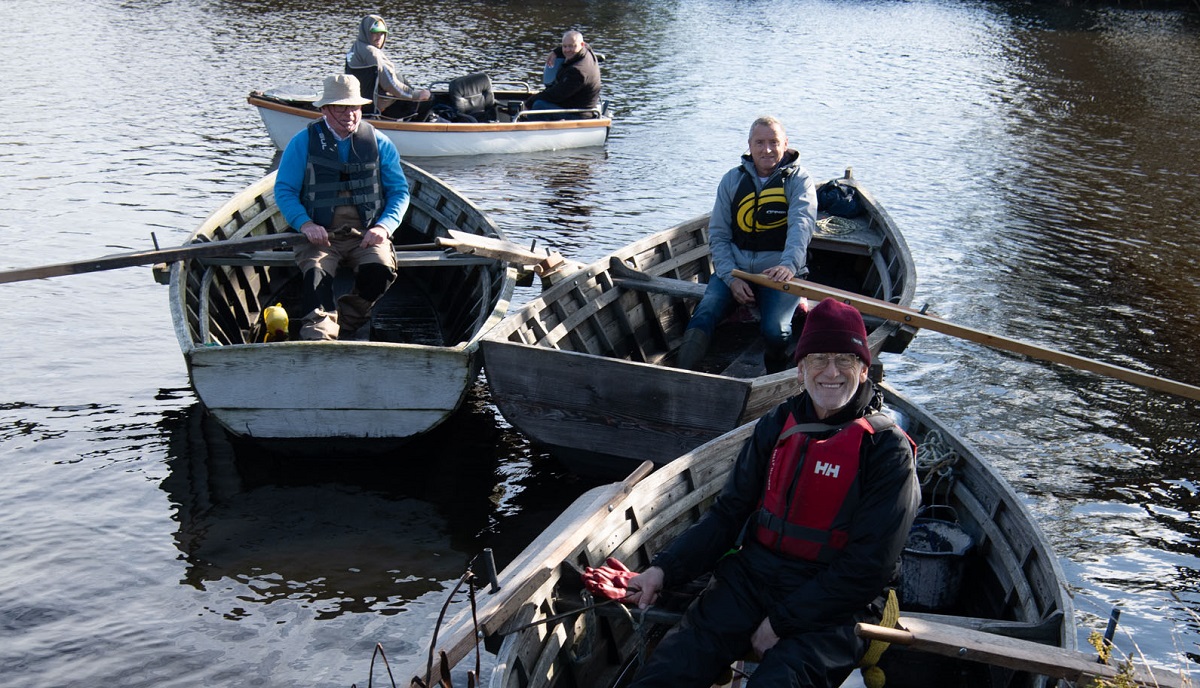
[829, 470]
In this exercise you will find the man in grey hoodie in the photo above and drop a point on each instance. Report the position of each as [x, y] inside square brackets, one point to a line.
[762, 221]
[393, 96]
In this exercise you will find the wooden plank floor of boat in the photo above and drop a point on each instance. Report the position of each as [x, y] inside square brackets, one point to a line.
[405, 316]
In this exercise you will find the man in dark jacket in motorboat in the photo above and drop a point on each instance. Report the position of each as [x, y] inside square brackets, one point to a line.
[821, 499]
[577, 82]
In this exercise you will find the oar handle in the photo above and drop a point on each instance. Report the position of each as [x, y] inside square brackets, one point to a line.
[207, 249]
[915, 318]
[895, 636]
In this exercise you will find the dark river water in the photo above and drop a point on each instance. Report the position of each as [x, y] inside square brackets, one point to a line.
[1043, 163]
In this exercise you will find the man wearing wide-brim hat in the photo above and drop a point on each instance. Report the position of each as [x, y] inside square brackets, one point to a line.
[340, 183]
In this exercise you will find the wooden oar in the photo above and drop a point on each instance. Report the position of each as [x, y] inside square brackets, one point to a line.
[915, 318]
[166, 255]
[546, 264]
[529, 571]
[1021, 655]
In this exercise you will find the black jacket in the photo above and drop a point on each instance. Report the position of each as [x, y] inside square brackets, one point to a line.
[577, 84]
[814, 595]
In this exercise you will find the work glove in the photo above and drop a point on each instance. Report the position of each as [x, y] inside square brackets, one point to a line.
[609, 581]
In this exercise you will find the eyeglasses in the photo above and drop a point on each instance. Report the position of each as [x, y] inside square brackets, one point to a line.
[817, 362]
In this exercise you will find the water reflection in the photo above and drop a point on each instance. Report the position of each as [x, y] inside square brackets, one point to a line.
[570, 192]
[332, 536]
[551, 196]
[1104, 226]
[339, 530]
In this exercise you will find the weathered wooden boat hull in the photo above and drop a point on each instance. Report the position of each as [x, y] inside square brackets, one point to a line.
[1014, 574]
[585, 368]
[413, 372]
[380, 390]
[432, 139]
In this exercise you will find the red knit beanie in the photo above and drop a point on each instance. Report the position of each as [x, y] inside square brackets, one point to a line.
[833, 327]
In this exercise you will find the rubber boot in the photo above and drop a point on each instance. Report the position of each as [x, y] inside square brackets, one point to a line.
[319, 325]
[691, 352]
[353, 313]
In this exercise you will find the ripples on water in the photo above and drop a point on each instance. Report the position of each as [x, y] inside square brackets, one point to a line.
[1042, 165]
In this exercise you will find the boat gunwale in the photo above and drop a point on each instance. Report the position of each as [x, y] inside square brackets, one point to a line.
[604, 121]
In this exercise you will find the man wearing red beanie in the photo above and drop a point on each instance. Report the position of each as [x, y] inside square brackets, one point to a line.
[819, 504]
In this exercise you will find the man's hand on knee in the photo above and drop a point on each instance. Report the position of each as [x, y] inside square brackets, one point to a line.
[315, 233]
[764, 637]
[742, 291]
[374, 236]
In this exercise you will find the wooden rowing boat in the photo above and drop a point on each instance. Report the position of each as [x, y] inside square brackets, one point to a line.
[410, 374]
[506, 130]
[543, 633]
[589, 363]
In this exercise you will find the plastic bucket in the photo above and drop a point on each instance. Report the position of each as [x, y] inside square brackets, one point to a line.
[931, 567]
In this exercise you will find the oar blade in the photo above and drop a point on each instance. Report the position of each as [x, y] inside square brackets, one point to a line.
[908, 316]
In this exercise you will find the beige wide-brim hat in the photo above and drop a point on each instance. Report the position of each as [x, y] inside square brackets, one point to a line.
[341, 90]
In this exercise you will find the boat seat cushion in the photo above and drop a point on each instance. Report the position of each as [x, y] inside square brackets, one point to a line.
[367, 78]
[472, 94]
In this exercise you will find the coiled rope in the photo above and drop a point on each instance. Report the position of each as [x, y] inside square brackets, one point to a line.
[936, 460]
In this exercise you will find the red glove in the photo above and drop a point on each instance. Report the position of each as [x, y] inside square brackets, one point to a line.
[609, 581]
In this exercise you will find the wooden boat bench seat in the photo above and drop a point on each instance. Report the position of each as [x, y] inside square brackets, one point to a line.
[1043, 632]
[404, 259]
[846, 235]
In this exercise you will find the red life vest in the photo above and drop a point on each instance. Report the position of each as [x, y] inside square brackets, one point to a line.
[809, 484]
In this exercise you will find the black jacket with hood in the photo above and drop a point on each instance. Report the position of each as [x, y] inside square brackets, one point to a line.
[814, 595]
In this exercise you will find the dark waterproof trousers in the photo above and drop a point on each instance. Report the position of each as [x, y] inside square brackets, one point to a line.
[717, 628]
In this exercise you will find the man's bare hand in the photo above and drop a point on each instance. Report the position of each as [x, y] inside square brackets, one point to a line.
[779, 273]
[644, 587]
[315, 233]
[374, 236]
[742, 291]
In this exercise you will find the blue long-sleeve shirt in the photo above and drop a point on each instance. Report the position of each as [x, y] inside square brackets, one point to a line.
[290, 178]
